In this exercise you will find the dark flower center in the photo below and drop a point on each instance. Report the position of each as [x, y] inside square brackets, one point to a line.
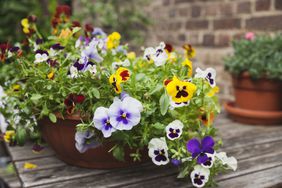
[160, 155]
[181, 92]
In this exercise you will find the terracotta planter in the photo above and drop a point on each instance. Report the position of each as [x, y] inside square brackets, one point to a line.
[256, 101]
[60, 137]
[261, 94]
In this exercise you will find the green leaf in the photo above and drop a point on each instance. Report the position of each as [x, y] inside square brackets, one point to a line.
[118, 153]
[76, 29]
[21, 136]
[157, 89]
[96, 92]
[140, 76]
[159, 126]
[164, 103]
[52, 118]
[35, 97]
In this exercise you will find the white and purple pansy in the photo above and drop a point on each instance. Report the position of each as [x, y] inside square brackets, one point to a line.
[91, 67]
[91, 52]
[125, 114]
[99, 32]
[158, 55]
[199, 176]
[125, 63]
[101, 121]
[210, 161]
[177, 105]
[41, 56]
[209, 74]
[231, 162]
[174, 129]
[84, 140]
[158, 151]
[54, 49]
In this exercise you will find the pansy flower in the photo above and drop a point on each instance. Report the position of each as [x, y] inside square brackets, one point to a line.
[174, 129]
[209, 162]
[209, 74]
[125, 63]
[189, 51]
[65, 34]
[26, 26]
[200, 150]
[91, 52]
[37, 148]
[54, 49]
[91, 67]
[84, 140]
[72, 100]
[231, 162]
[206, 118]
[121, 75]
[180, 91]
[99, 32]
[4, 47]
[41, 56]
[113, 40]
[3, 124]
[199, 176]
[101, 121]
[125, 114]
[158, 55]
[158, 151]
[9, 136]
[188, 63]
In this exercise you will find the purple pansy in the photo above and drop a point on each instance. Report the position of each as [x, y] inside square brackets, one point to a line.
[174, 129]
[91, 52]
[176, 162]
[125, 114]
[200, 150]
[158, 151]
[84, 140]
[101, 121]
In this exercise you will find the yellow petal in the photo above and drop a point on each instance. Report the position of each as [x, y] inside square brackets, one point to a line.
[29, 166]
[213, 91]
[51, 75]
[25, 22]
[131, 55]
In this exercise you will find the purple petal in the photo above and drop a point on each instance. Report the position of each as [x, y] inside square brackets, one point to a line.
[202, 158]
[207, 144]
[193, 146]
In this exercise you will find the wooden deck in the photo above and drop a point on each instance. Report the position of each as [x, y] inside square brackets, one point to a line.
[257, 148]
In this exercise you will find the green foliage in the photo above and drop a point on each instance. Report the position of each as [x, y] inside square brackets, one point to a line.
[127, 17]
[261, 57]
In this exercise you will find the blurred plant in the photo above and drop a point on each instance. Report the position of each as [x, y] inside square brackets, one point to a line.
[261, 56]
[127, 17]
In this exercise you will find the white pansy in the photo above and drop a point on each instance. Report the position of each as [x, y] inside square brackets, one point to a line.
[125, 63]
[158, 151]
[229, 161]
[174, 129]
[210, 161]
[209, 74]
[40, 57]
[73, 72]
[3, 124]
[158, 54]
[200, 176]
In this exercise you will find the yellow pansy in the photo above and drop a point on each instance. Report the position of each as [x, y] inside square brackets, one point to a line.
[51, 75]
[25, 25]
[29, 166]
[9, 135]
[121, 75]
[180, 91]
[189, 51]
[113, 40]
[188, 63]
[172, 57]
[131, 55]
[16, 87]
[65, 33]
[213, 91]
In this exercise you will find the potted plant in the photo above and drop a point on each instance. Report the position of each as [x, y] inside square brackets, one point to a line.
[256, 68]
[99, 106]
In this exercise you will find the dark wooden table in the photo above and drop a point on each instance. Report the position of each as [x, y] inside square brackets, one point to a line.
[257, 148]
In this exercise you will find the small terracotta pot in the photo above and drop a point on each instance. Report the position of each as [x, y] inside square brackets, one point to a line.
[261, 94]
[60, 137]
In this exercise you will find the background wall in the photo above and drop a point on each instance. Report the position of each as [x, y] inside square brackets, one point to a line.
[210, 25]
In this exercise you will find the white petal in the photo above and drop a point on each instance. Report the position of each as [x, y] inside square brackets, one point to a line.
[132, 102]
[176, 124]
[100, 114]
[3, 124]
[230, 161]
[199, 170]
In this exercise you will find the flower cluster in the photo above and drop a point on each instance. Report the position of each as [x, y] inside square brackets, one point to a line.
[155, 101]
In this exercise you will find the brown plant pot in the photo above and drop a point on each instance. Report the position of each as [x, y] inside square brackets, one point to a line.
[256, 101]
[261, 94]
[60, 137]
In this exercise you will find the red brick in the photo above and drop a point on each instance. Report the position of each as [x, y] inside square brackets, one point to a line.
[208, 40]
[244, 7]
[196, 11]
[197, 24]
[228, 23]
[269, 23]
[278, 4]
[223, 40]
[226, 9]
[262, 5]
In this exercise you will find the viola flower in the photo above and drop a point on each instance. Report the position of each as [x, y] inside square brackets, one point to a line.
[101, 121]
[73, 72]
[16, 87]
[26, 25]
[158, 151]
[188, 63]
[37, 148]
[206, 118]
[91, 67]
[177, 105]
[200, 150]
[65, 34]
[199, 176]
[213, 91]
[52, 63]
[3, 124]
[113, 40]
[158, 55]
[63, 10]
[189, 51]
[210, 161]
[231, 162]
[125, 114]
[51, 75]
[250, 36]
[41, 56]
[209, 74]
[174, 129]
[180, 91]
[125, 63]
[121, 75]
[99, 32]
[72, 100]
[88, 28]
[84, 140]
[9, 136]
[91, 52]
[176, 162]
[54, 49]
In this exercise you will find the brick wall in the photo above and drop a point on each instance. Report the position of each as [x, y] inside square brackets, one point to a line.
[210, 25]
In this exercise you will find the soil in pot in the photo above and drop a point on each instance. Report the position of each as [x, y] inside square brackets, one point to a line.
[60, 136]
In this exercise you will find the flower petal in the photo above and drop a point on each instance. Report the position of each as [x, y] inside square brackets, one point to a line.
[194, 147]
